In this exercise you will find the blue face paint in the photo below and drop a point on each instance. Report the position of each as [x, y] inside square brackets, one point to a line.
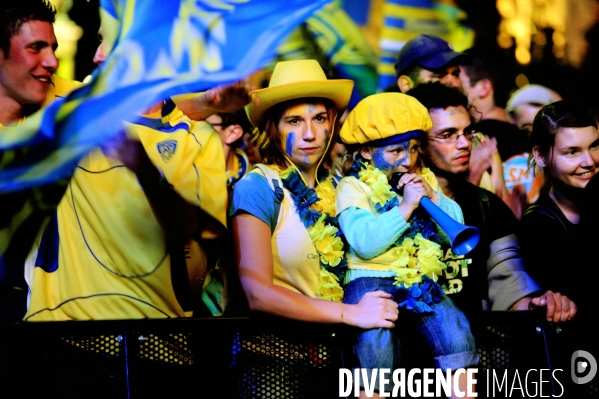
[306, 159]
[404, 144]
[326, 132]
[289, 143]
[381, 163]
[311, 107]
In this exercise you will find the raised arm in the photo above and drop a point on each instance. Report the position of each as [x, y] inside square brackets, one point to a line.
[254, 259]
[226, 98]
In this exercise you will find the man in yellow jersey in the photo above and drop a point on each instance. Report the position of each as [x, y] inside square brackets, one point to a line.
[114, 247]
[128, 211]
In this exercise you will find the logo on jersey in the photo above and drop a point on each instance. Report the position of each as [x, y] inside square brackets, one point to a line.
[167, 149]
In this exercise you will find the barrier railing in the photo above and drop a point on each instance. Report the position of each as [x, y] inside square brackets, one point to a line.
[264, 357]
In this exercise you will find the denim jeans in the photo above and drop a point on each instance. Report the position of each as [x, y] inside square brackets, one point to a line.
[446, 330]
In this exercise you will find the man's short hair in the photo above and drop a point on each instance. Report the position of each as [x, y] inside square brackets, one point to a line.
[413, 73]
[238, 117]
[429, 52]
[14, 13]
[435, 95]
[494, 65]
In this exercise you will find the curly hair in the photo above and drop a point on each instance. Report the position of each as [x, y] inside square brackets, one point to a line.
[17, 12]
[435, 95]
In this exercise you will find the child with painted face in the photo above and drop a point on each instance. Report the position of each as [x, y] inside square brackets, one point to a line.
[394, 244]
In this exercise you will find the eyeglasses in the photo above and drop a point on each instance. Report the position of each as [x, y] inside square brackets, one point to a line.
[455, 136]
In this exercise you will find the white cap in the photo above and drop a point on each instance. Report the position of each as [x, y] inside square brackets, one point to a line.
[531, 94]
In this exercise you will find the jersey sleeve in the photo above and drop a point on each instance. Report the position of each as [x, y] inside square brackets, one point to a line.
[190, 156]
[450, 207]
[453, 210]
[369, 235]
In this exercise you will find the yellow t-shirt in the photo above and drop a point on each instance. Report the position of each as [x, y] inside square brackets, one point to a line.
[60, 87]
[111, 260]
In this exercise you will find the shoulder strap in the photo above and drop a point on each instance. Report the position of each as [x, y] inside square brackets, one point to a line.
[273, 179]
[546, 211]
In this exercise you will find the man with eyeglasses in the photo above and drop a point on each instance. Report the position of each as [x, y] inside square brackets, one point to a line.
[492, 276]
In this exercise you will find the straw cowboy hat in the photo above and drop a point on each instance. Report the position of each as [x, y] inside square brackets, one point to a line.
[299, 79]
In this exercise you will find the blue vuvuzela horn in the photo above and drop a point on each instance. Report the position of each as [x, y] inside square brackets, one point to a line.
[463, 238]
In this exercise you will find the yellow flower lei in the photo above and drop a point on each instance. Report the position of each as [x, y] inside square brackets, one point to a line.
[416, 257]
[377, 181]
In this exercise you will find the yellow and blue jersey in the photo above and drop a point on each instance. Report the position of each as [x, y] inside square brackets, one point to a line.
[106, 256]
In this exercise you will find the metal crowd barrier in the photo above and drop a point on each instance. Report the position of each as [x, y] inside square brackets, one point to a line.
[264, 357]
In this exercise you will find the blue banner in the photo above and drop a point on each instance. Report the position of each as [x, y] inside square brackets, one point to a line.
[161, 48]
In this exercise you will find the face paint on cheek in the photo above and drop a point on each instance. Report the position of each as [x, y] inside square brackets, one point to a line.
[379, 161]
[406, 157]
[289, 143]
[326, 132]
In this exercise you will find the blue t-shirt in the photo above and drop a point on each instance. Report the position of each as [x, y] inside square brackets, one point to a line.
[254, 195]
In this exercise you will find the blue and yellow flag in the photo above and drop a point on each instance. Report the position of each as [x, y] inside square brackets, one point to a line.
[331, 37]
[161, 48]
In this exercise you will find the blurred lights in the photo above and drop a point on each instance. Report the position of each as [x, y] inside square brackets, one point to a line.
[521, 80]
[525, 21]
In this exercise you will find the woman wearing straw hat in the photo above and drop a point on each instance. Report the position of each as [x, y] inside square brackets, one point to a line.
[290, 254]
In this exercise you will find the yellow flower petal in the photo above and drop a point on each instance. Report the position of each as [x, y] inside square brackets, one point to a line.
[329, 287]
